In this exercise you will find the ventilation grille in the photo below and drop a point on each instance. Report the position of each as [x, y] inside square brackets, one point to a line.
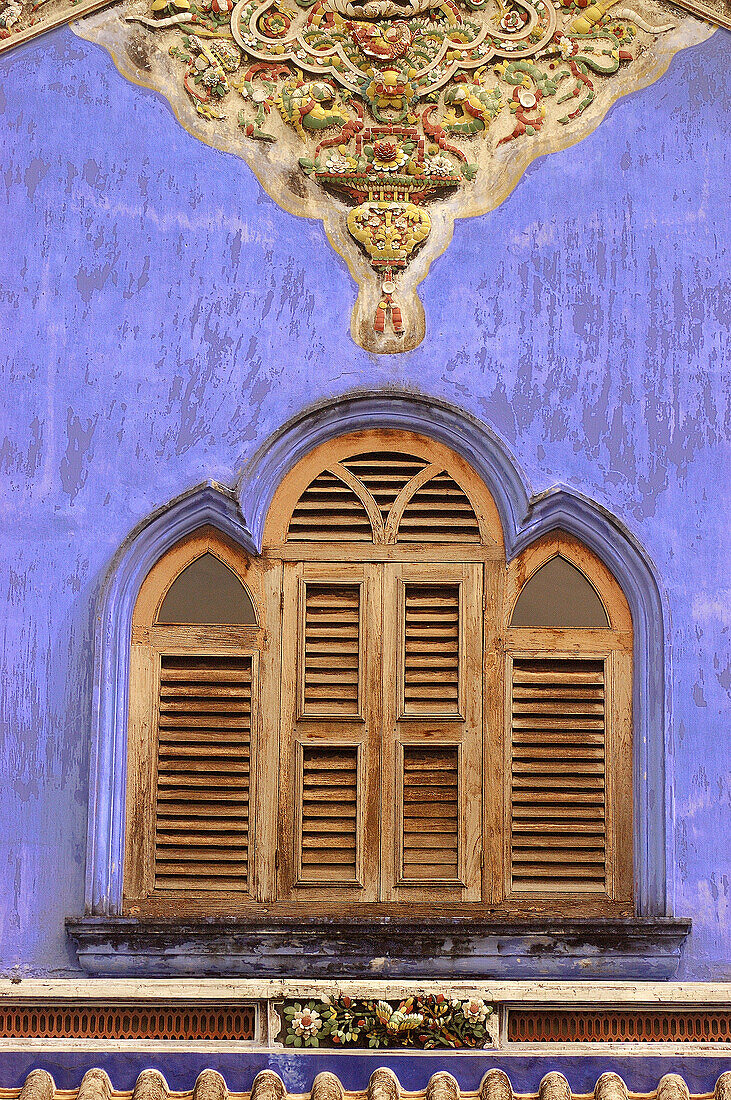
[329, 511]
[329, 830]
[585, 1026]
[558, 795]
[202, 813]
[331, 649]
[384, 474]
[44, 1021]
[431, 649]
[439, 512]
[431, 813]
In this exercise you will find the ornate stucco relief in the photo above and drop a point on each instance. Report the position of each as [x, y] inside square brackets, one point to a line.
[388, 119]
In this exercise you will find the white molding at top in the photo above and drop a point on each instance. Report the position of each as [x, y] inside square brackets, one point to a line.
[561, 993]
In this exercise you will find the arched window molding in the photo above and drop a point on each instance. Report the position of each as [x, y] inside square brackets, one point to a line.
[562, 677]
[523, 519]
[208, 504]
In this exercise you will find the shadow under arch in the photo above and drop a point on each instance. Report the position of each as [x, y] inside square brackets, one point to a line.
[241, 515]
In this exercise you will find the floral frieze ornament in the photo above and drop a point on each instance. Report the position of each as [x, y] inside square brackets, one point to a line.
[423, 1021]
[390, 118]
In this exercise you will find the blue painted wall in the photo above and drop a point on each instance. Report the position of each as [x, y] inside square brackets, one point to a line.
[161, 316]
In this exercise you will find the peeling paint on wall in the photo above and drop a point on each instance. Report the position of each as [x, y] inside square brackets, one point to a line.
[162, 316]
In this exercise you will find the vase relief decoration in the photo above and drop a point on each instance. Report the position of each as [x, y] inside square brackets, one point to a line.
[388, 119]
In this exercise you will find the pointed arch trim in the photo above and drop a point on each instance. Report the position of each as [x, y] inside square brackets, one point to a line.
[524, 518]
[208, 504]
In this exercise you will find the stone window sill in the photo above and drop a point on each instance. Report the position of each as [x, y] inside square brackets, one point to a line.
[382, 947]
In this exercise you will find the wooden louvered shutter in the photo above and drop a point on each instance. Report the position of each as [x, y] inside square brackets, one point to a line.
[558, 775]
[193, 717]
[432, 767]
[203, 773]
[329, 779]
[328, 826]
[568, 732]
[430, 813]
[193, 760]
[569, 787]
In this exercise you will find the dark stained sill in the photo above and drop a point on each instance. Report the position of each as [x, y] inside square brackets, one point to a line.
[382, 947]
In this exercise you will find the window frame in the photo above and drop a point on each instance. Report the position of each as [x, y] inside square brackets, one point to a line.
[615, 646]
[501, 586]
[149, 643]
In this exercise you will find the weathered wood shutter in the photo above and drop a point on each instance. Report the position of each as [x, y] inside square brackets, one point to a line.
[432, 761]
[202, 797]
[568, 733]
[558, 775]
[328, 820]
[431, 661]
[329, 777]
[431, 813]
[384, 497]
[331, 650]
[193, 762]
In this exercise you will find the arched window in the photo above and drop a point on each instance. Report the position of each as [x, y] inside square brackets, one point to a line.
[378, 710]
[569, 723]
[194, 691]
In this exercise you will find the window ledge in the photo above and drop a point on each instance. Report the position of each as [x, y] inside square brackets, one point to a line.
[389, 947]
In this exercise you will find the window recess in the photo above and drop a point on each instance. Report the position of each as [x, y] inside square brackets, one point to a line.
[380, 714]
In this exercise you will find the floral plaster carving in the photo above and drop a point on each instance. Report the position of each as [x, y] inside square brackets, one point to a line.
[388, 119]
[423, 1021]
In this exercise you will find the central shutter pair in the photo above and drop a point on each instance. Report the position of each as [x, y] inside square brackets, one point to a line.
[382, 770]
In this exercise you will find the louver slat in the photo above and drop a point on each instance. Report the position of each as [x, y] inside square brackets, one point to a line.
[431, 649]
[329, 511]
[384, 474]
[329, 814]
[439, 512]
[204, 750]
[331, 657]
[558, 775]
[430, 813]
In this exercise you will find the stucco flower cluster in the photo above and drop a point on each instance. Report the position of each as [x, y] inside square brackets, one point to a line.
[306, 1022]
[422, 1021]
[475, 1010]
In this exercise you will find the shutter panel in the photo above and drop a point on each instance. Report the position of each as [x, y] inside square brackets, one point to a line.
[328, 782]
[558, 740]
[431, 807]
[431, 649]
[331, 650]
[203, 769]
[329, 511]
[329, 815]
[384, 475]
[432, 761]
[439, 512]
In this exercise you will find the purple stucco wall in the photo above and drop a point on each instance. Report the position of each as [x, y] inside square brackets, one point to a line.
[162, 316]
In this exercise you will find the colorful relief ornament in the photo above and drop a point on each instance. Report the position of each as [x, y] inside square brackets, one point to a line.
[396, 105]
[422, 1021]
